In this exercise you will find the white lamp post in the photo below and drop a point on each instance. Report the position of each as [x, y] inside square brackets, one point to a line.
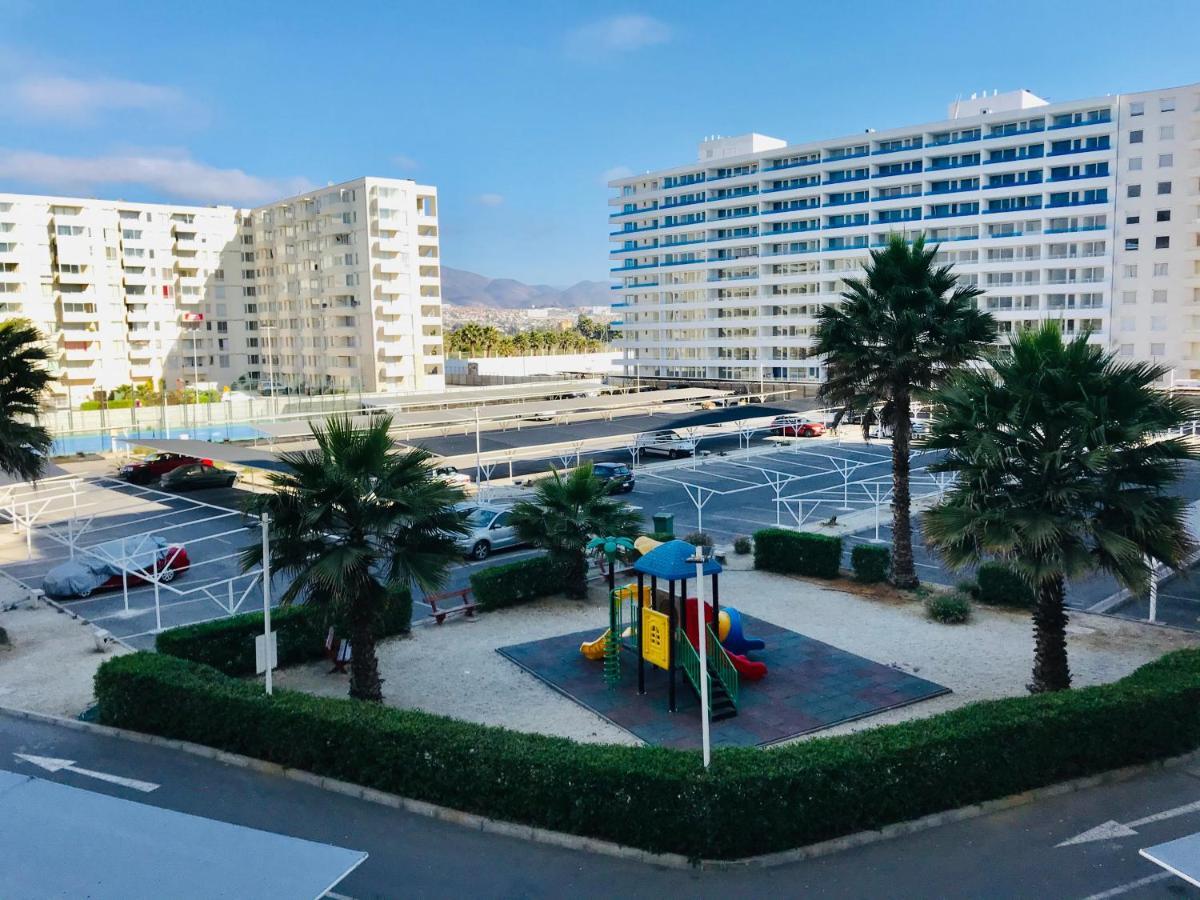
[702, 649]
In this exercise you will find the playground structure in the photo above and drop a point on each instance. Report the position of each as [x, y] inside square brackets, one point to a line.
[661, 627]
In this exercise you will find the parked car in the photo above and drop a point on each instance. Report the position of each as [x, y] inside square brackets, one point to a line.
[196, 476]
[797, 426]
[488, 530]
[451, 475]
[618, 476]
[668, 443]
[153, 467]
[100, 568]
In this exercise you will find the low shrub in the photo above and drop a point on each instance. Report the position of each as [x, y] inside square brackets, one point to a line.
[999, 585]
[698, 538]
[797, 552]
[870, 562]
[742, 545]
[660, 799]
[949, 609]
[300, 631]
[514, 583]
[968, 587]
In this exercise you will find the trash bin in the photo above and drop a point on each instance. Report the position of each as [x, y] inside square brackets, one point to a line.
[664, 523]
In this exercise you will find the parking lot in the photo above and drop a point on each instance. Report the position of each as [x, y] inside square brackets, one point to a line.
[91, 517]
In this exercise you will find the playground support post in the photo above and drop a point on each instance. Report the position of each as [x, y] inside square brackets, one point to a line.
[671, 646]
[1153, 590]
[641, 586]
[702, 650]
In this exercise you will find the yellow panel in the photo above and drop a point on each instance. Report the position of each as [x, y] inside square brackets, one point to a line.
[657, 639]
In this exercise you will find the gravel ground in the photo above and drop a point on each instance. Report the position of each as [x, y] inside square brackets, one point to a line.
[453, 669]
[49, 665]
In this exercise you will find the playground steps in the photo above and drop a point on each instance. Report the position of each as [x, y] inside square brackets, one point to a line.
[719, 699]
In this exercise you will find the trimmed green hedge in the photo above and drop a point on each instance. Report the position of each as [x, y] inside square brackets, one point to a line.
[228, 644]
[749, 801]
[514, 583]
[999, 585]
[870, 562]
[797, 552]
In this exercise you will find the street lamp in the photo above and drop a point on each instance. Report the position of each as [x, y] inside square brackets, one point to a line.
[699, 558]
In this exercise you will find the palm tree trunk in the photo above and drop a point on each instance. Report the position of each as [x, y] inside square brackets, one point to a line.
[1050, 669]
[365, 683]
[575, 577]
[904, 572]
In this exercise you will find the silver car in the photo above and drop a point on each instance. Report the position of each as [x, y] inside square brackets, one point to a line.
[488, 529]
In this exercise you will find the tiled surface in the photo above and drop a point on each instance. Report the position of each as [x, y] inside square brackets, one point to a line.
[809, 686]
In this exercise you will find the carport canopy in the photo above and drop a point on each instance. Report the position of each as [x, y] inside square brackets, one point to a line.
[230, 454]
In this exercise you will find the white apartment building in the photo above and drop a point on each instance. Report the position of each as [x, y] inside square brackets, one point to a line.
[336, 289]
[1085, 211]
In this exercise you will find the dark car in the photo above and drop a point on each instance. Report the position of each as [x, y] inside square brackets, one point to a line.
[618, 476]
[154, 467]
[198, 475]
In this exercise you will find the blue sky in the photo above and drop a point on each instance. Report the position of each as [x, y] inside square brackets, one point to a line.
[517, 111]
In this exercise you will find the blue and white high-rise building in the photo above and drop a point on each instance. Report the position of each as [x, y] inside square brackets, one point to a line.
[1085, 211]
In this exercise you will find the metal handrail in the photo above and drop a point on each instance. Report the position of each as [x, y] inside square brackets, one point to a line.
[722, 666]
[688, 659]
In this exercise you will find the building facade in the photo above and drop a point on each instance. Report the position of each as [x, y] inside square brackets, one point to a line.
[1085, 211]
[334, 290]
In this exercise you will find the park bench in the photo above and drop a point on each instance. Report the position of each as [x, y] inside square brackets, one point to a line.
[466, 604]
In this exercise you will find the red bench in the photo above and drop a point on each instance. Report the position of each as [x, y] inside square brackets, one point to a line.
[466, 604]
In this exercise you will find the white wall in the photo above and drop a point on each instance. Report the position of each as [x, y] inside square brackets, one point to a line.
[600, 363]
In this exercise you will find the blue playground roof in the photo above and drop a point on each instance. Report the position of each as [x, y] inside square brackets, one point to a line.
[670, 561]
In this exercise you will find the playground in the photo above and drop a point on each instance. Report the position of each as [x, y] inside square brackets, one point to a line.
[836, 662]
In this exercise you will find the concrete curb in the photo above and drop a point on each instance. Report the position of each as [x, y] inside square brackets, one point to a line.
[607, 848]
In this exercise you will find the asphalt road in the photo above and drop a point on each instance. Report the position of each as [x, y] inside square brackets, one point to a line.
[1007, 854]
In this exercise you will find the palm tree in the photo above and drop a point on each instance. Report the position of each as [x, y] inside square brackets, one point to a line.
[566, 513]
[355, 524]
[1060, 472]
[898, 332]
[24, 377]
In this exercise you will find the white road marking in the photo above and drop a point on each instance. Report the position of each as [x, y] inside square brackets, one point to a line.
[1111, 830]
[50, 764]
[1129, 886]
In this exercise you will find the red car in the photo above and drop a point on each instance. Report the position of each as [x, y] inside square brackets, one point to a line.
[788, 426]
[154, 467]
[101, 569]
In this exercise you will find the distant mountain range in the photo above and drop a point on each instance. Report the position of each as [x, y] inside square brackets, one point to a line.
[462, 288]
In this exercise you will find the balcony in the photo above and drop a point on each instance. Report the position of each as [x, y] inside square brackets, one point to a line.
[391, 266]
[1102, 119]
[636, 211]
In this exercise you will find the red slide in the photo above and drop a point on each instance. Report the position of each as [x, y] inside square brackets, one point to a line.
[750, 669]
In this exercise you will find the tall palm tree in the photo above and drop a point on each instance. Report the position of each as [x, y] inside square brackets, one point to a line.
[898, 332]
[24, 377]
[566, 513]
[1061, 470]
[355, 524]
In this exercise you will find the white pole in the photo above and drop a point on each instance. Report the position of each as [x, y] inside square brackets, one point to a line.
[157, 608]
[125, 574]
[1153, 590]
[29, 534]
[477, 445]
[265, 520]
[701, 648]
[196, 380]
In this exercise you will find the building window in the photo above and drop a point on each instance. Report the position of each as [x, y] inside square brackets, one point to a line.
[1166, 132]
[1132, 220]
[1163, 215]
[1129, 296]
[1133, 190]
[1126, 350]
[1135, 164]
[1135, 137]
[1131, 243]
[1162, 242]
[1164, 187]
[1137, 108]
[1130, 270]
[1166, 160]
[1159, 296]
[1158, 349]
[1161, 269]
[1166, 104]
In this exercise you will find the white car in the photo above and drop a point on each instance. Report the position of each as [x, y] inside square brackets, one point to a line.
[669, 443]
